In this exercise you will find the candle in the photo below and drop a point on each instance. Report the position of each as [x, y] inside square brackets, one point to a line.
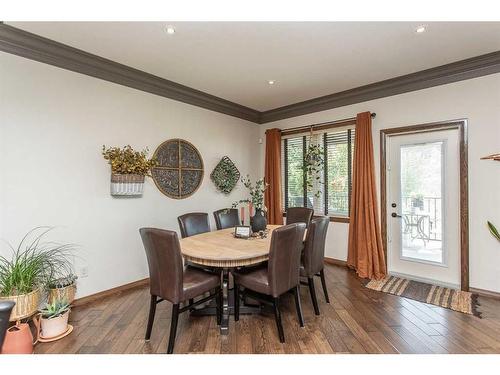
[242, 215]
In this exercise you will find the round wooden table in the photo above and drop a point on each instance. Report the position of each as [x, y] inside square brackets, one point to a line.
[220, 249]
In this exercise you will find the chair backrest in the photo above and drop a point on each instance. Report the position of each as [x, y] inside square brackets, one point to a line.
[299, 215]
[226, 218]
[5, 310]
[163, 252]
[193, 223]
[284, 258]
[314, 249]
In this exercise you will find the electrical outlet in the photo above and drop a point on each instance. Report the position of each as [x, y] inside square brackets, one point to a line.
[84, 271]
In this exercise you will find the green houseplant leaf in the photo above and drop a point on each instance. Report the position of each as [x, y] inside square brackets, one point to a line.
[493, 230]
[55, 309]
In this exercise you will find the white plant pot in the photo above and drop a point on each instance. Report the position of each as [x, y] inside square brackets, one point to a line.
[127, 184]
[55, 326]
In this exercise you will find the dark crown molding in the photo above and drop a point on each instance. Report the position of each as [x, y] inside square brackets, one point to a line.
[35, 47]
[461, 70]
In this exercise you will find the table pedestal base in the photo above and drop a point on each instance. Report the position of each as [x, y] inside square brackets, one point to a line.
[227, 305]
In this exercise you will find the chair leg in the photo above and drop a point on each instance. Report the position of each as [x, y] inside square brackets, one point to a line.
[298, 305]
[173, 328]
[236, 289]
[277, 316]
[312, 292]
[152, 311]
[218, 302]
[323, 283]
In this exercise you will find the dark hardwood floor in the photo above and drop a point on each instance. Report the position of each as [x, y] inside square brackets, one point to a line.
[357, 320]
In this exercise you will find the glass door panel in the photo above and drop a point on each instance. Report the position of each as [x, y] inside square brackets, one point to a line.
[422, 202]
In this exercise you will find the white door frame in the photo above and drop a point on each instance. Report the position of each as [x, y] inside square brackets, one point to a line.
[461, 126]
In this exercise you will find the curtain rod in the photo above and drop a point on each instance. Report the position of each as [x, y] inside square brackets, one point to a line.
[307, 127]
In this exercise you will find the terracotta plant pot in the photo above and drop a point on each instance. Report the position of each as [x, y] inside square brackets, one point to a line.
[18, 340]
[54, 326]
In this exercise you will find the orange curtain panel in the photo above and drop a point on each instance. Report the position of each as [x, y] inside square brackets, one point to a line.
[272, 196]
[365, 252]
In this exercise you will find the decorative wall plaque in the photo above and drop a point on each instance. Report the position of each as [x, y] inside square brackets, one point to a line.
[180, 168]
[225, 175]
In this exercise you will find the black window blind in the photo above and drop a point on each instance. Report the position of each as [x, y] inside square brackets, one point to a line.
[336, 178]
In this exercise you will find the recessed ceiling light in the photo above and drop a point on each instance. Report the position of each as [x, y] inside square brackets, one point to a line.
[421, 29]
[170, 30]
[271, 82]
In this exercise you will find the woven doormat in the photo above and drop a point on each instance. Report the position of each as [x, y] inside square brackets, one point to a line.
[457, 300]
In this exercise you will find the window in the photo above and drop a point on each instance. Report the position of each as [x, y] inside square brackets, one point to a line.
[330, 195]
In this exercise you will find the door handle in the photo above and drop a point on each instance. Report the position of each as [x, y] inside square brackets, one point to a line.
[395, 215]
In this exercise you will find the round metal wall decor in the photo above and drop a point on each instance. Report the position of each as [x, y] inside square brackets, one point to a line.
[180, 168]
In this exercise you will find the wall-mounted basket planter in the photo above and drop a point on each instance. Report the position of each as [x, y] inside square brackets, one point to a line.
[127, 184]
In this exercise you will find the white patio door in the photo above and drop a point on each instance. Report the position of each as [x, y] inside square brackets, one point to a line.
[423, 206]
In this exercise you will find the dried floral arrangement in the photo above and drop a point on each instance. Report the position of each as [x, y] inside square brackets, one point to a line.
[128, 161]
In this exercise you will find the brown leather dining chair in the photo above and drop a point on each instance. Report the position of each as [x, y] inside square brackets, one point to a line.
[226, 218]
[299, 215]
[193, 223]
[313, 257]
[169, 280]
[281, 274]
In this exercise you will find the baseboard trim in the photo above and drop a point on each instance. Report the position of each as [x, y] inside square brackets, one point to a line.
[485, 293]
[109, 292]
[336, 262]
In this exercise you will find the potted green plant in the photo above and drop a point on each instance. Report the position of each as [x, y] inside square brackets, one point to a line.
[63, 288]
[54, 318]
[128, 169]
[29, 269]
[258, 221]
[314, 166]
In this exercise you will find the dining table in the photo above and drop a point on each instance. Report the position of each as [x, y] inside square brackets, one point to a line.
[221, 251]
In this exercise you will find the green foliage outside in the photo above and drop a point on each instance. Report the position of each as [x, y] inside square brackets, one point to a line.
[337, 171]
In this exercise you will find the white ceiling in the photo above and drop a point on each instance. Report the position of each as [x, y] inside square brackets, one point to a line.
[234, 60]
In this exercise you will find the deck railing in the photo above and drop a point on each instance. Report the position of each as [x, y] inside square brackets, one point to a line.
[429, 211]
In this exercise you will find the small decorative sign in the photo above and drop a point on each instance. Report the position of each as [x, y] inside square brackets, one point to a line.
[242, 231]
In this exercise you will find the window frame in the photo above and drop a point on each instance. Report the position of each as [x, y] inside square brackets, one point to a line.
[323, 130]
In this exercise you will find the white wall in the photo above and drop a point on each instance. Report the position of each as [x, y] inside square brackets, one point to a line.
[53, 124]
[478, 100]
